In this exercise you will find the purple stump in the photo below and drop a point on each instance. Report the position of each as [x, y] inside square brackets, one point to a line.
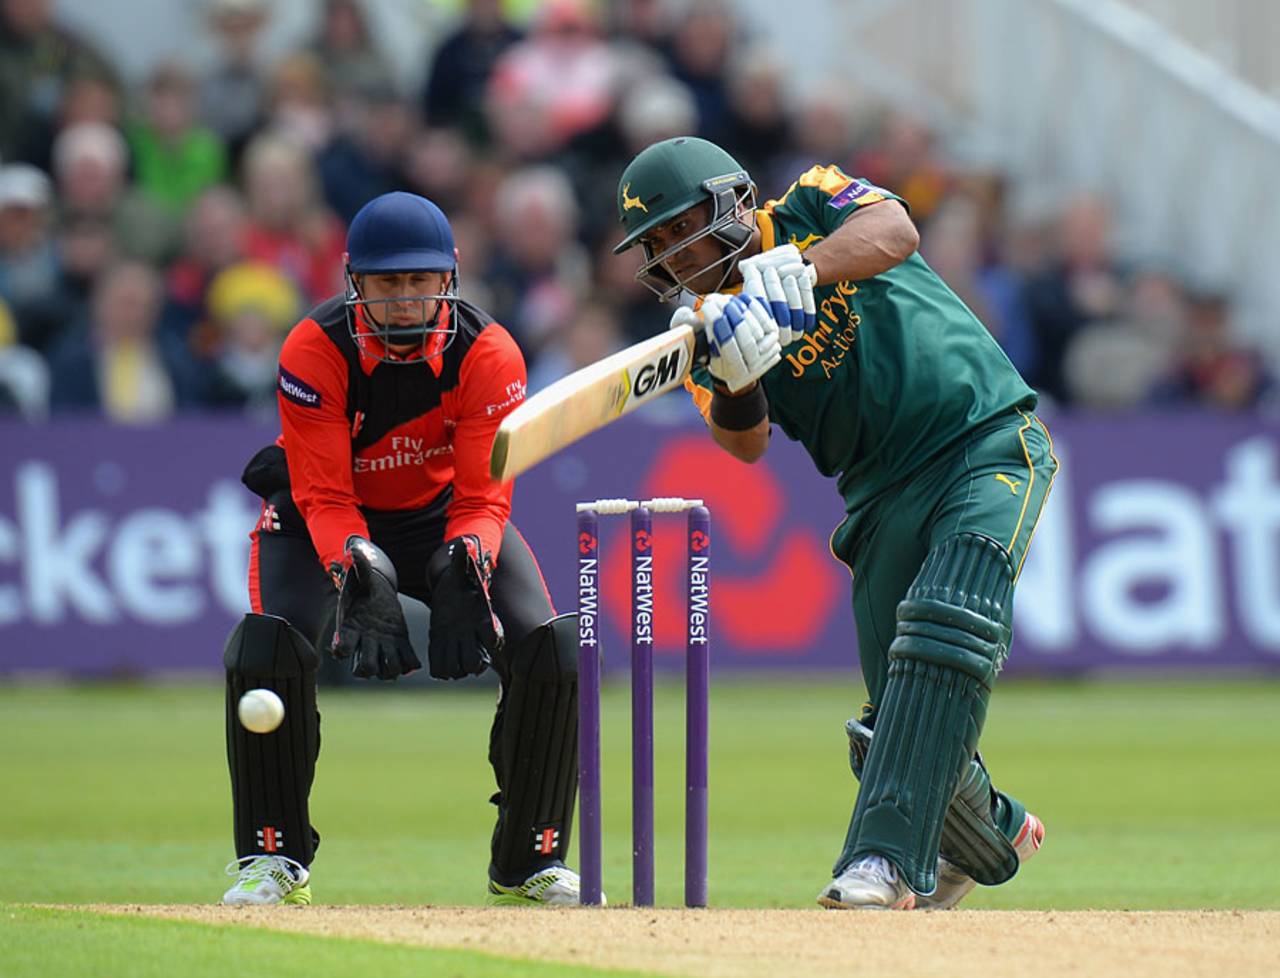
[642, 707]
[589, 831]
[697, 708]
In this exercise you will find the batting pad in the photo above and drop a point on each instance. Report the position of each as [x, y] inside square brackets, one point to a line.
[535, 754]
[271, 773]
[952, 638]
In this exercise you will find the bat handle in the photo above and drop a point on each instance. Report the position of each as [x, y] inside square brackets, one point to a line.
[701, 349]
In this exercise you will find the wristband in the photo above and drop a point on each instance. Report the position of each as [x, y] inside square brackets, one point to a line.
[740, 413]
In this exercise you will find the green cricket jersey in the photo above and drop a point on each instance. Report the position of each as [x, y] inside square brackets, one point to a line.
[897, 368]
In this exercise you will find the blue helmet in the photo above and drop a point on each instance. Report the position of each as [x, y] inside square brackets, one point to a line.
[396, 233]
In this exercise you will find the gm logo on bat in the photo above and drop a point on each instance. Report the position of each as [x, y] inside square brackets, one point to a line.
[657, 376]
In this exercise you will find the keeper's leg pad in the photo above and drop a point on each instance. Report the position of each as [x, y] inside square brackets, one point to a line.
[952, 639]
[971, 838]
[536, 754]
[271, 774]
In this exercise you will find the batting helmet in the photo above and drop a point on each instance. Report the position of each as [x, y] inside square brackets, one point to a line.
[667, 179]
[392, 234]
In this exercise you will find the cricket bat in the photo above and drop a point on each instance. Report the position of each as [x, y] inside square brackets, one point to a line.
[588, 399]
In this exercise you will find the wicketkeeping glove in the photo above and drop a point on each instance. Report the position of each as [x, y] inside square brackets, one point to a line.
[370, 626]
[783, 278]
[742, 336]
[465, 632]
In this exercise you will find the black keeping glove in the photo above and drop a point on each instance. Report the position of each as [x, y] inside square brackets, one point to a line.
[465, 632]
[370, 626]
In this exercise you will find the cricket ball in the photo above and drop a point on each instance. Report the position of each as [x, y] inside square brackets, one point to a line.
[260, 711]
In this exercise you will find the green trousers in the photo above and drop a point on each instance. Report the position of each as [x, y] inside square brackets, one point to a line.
[994, 483]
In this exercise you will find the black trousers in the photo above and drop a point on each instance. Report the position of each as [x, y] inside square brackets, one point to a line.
[286, 579]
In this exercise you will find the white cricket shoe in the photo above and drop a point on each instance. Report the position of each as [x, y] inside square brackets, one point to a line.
[954, 883]
[871, 882]
[265, 880]
[555, 886]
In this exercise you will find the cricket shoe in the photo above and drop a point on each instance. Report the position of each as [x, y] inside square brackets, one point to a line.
[954, 883]
[555, 886]
[871, 882]
[265, 880]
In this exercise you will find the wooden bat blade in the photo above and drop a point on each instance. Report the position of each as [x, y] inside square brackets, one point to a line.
[588, 399]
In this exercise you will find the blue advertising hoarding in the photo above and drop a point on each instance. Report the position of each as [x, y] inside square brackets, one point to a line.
[125, 550]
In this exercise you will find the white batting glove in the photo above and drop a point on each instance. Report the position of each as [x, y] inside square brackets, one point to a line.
[743, 339]
[785, 280]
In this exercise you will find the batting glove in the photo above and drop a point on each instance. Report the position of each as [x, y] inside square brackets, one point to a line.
[742, 337]
[782, 277]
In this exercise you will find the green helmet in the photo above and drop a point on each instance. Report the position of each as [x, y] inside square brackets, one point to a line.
[668, 178]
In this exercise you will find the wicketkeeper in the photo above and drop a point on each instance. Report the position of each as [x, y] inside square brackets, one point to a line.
[824, 320]
[389, 398]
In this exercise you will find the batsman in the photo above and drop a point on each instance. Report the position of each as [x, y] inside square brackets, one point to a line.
[389, 394]
[822, 319]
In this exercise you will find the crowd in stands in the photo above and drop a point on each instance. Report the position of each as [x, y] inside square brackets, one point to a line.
[158, 240]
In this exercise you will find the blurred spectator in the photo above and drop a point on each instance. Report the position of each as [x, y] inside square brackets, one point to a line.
[38, 58]
[1113, 365]
[30, 277]
[368, 158]
[344, 46]
[475, 250]
[85, 98]
[86, 248]
[557, 83]
[701, 49]
[439, 164]
[214, 239]
[24, 376]
[822, 134]
[251, 308]
[289, 226]
[1212, 370]
[645, 24]
[615, 277]
[658, 109]
[454, 91]
[953, 246]
[115, 366]
[536, 253]
[582, 337]
[300, 106]
[174, 157]
[89, 162]
[1080, 285]
[905, 158]
[756, 129]
[232, 91]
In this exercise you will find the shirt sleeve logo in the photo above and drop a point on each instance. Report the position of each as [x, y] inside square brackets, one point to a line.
[298, 390]
[857, 192]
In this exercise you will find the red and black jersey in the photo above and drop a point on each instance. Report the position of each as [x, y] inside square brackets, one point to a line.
[362, 433]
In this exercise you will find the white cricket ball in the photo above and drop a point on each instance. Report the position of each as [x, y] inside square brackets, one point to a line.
[260, 711]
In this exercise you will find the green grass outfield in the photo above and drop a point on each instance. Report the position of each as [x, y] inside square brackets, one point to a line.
[1155, 796]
